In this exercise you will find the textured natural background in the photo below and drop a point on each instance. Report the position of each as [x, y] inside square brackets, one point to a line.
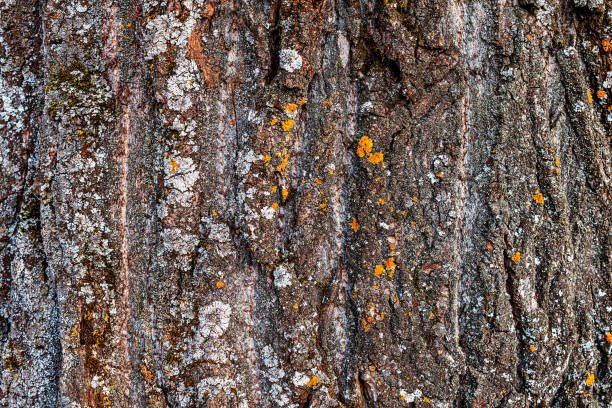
[317, 203]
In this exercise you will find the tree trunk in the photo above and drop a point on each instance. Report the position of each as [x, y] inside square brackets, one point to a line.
[318, 203]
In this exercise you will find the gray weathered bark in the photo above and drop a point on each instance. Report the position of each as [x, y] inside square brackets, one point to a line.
[318, 203]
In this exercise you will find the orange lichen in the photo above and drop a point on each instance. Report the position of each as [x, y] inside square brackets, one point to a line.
[295, 306]
[283, 164]
[605, 43]
[313, 381]
[273, 189]
[389, 264]
[267, 159]
[366, 325]
[302, 101]
[589, 95]
[274, 121]
[557, 162]
[366, 144]
[590, 379]
[146, 373]
[538, 197]
[219, 284]
[414, 199]
[531, 348]
[516, 257]
[355, 225]
[284, 193]
[426, 400]
[292, 107]
[274, 206]
[376, 158]
[174, 165]
[601, 93]
[379, 270]
[287, 124]
[608, 337]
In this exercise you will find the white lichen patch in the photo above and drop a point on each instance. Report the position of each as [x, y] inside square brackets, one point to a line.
[282, 278]
[214, 319]
[179, 241]
[268, 212]
[181, 84]
[406, 397]
[300, 379]
[13, 106]
[290, 60]
[211, 386]
[245, 159]
[343, 49]
[181, 182]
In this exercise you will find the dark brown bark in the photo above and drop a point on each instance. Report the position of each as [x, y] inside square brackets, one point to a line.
[305, 204]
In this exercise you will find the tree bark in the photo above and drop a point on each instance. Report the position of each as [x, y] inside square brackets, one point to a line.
[317, 203]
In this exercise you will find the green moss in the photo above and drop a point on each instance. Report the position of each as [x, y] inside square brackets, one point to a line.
[74, 86]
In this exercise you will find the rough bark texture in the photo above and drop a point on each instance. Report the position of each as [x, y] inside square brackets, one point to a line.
[192, 213]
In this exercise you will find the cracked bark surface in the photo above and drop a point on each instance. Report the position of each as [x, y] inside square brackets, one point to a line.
[192, 216]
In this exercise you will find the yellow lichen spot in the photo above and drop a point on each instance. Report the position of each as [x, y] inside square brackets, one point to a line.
[426, 400]
[366, 144]
[355, 225]
[79, 131]
[601, 93]
[608, 337]
[589, 96]
[273, 189]
[379, 270]
[295, 306]
[531, 348]
[274, 206]
[219, 284]
[317, 181]
[389, 264]
[516, 257]
[557, 162]
[283, 164]
[381, 201]
[284, 193]
[214, 212]
[590, 379]
[414, 199]
[538, 197]
[174, 165]
[274, 121]
[313, 381]
[302, 101]
[106, 318]
[287, 124]
[375, 158]
[292, 107]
